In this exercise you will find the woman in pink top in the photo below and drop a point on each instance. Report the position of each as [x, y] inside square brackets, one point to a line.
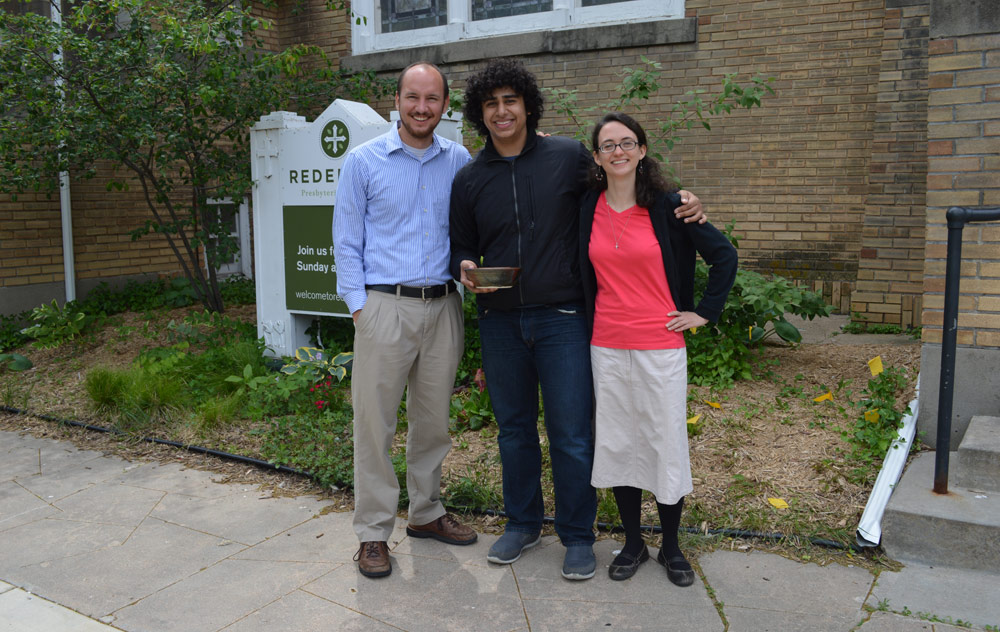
[637, 262]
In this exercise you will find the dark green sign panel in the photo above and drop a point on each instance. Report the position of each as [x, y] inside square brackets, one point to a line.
[310, 272]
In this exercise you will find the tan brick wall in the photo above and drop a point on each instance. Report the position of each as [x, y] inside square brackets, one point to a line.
[963, 122]
[830, 170]
[31, 236]
[30, 240]
[890, 271]
[824, 181]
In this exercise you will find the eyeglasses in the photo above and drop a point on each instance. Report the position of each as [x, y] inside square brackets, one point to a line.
[627, 145]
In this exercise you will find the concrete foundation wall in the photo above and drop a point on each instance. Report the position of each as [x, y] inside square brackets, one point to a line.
[976, 388]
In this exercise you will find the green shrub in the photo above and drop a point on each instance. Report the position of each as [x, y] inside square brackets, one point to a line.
[881, 415]
[322, 445]
[238, 290]
[472, 351]
[54, 325]
[10, 331]
[333, 333]
[723, 352]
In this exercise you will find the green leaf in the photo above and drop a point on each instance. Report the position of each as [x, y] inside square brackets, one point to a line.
[15, 361]
[787, 331]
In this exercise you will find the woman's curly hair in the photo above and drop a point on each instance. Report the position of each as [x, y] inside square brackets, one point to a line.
[502, 73]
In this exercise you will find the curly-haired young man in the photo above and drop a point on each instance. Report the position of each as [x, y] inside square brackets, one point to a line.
[517, 204]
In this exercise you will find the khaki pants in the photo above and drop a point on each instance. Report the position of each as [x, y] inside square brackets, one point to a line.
[402, 342]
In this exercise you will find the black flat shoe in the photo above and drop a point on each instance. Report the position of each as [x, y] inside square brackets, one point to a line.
[679, 572]
[625, 565]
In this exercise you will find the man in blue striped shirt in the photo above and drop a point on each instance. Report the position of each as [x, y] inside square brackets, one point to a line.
[390, 234]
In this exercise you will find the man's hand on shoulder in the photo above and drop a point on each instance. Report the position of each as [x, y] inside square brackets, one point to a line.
[690, 209]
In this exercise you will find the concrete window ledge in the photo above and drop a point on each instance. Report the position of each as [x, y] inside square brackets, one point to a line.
[572, 40]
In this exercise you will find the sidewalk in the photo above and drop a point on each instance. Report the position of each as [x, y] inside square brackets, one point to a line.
[90, 543]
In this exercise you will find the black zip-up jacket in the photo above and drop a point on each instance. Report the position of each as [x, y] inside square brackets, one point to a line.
[678, 243]
[524, 213]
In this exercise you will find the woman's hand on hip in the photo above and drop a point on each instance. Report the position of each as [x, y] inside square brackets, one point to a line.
[683, 321]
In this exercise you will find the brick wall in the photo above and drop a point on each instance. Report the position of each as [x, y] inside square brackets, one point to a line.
[963, 125]
[890, 265]
[31, 240]
[826, 182]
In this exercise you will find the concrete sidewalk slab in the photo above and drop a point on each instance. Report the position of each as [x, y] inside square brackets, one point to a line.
[59, 539]
[425, 593]
[941, 594]
[109, 504]
[768, 592]
[302, 611]
[29, 456]
[249, 518]
[174, 478]
[19, 506]
[21, 611]
[88, 471]
[217, 596]
[154, 556]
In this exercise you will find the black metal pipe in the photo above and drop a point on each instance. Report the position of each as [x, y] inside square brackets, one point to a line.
[957, 218]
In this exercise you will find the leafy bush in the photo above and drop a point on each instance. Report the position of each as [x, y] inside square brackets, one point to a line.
[54, 325]
[333, 333]
[881, 417]
[10, 331]
[238, 290]
[471, 408]
[472, 351]
[723, 352]
[322, 445]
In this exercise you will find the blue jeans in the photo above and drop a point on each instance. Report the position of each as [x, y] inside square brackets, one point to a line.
[547, 346]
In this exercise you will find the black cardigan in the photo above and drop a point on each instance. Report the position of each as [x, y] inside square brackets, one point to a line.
[679, 242]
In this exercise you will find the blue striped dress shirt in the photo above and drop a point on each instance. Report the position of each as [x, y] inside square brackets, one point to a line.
[390, 222]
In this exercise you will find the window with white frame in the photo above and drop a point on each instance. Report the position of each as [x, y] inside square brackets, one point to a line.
[391, 24]
[235, 220]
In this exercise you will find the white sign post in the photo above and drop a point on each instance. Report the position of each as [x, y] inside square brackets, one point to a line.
[295, 169]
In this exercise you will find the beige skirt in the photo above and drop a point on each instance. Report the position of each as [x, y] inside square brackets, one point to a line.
[640, 437]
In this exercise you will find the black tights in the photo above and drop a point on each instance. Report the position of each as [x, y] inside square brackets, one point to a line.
[629, 501]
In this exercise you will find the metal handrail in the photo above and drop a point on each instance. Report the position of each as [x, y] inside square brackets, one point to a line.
[957, 218]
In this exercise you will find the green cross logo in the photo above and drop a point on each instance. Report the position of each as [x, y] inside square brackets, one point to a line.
[335, 139]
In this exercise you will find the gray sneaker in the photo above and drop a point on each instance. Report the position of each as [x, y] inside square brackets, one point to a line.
[579, 562]
[511, 544]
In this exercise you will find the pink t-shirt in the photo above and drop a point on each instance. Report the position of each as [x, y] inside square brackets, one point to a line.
[633, 298]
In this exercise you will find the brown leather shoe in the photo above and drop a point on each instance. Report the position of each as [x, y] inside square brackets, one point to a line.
[373, 559]
[445, 529]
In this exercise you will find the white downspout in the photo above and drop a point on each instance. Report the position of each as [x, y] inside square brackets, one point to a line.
[65, 199]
